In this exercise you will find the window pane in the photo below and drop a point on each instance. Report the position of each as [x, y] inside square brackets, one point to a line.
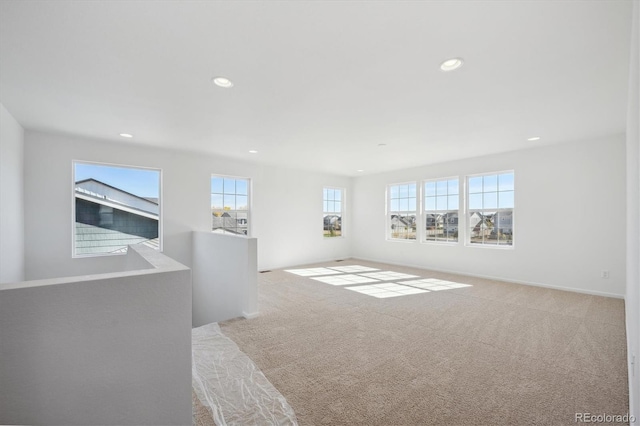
[505, 182]
[394, 191]
[241, 202]
[412, 189]
[505, 199]
[441, 203]
[338, 207]
[412, 204]
[490, 183]
[404, 191]
[404, 204]
[395, 205]
[229, 202]
[475, 201]
[216, 185]
[453, 187]
[441, 187]
[231, 215]
[430, 188]
[338, 194]
[114, 208]
[490, 200]
[453, 202]
[430, 203]
[229, 186]
[325, 193]
[241, 187]
[216, 201]
[475, 185]
[477, 228]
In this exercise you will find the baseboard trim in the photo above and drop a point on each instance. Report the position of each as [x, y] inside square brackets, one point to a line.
[490, 277]
[298, 265]
[251, 315]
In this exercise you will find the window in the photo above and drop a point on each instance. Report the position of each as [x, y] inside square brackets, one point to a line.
[332, 201]
[230, 205]
[490, 209]
[402, 211]
[441, 198]
[114, 207]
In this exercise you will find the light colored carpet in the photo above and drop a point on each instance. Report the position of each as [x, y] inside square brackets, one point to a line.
[493, 353]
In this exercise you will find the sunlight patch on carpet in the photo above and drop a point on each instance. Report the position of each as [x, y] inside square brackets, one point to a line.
[388, 275]
[352, 269]
[383, 291]
[433, 284]
[311, 272]
[345, 279]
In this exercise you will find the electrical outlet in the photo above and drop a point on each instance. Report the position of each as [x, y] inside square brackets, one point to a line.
[604, 273]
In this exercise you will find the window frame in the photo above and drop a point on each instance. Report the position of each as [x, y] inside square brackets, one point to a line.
[249, 203]
[343, 195]
[388, 212]
[467, 210]
[423, 211]
[74, 255]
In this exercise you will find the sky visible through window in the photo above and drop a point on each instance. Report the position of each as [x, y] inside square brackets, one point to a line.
[140, 182]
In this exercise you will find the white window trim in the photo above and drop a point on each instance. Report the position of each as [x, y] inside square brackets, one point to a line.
[387, 213]
[467, 238]
[342, 213]
[423, 213]
[249, 202]
[73, 206]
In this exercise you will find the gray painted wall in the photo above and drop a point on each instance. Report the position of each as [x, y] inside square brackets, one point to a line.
[285, 217]
[568, 223]
[632, 298]
[225, 283]
[103, 349]
[11, 198]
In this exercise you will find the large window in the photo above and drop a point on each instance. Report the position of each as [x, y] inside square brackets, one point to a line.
[230, 205]
[333, 202]
[490, 209]
[114, 207]
[441, 199]
[402, 211]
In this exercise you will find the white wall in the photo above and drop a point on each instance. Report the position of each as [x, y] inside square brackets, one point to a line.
[569, 220]
[225, 282]
[632, 298]
[286, 211]
[11, 199]
[100, 349]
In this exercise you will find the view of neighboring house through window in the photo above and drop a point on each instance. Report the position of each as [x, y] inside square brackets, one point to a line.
[402, 211]
[114, 207]
[333, 199]
[230, 205]
[491, 208]
[441, 199]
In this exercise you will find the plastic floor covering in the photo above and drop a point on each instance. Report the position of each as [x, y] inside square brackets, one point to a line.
[226, 381]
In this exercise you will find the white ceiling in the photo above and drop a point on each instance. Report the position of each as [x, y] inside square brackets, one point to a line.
[319, 84]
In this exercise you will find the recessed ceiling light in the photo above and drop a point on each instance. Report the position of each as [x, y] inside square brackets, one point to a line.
[126, 135]
[382, 144]
[222, 82]
[451, 64]
[253, 151]
[360, 170]
[535, 138]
